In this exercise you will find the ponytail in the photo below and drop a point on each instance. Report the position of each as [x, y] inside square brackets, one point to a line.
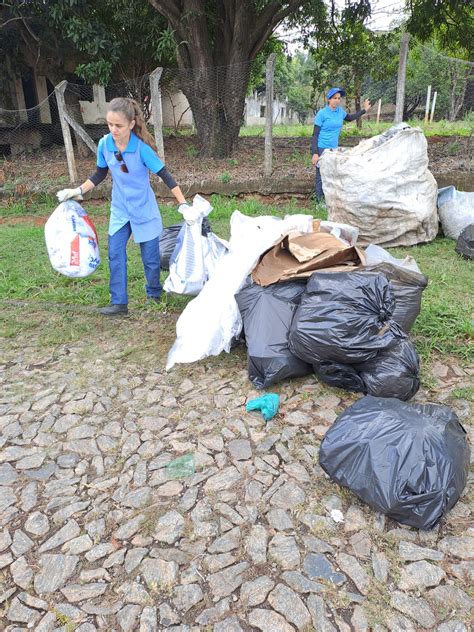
[132, 111]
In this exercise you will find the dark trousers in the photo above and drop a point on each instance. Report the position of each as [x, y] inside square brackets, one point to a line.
[150, 252]
[319, 183]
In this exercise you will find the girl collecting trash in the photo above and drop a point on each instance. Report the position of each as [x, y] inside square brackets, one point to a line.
[129, 152]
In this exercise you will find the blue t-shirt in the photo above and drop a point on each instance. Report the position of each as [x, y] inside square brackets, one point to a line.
[330, 121]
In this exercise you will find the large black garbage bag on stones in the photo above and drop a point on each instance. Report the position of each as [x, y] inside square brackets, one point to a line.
[394, 372]
[344, 317]
[267, 313]
[409, 461]
[408, 287]
[465, 242]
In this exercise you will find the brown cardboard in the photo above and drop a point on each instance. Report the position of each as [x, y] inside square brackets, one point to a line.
[298, 255]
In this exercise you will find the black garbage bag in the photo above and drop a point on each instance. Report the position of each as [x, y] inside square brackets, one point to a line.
[409, 461]
[465, 242]
[394, 372]
[267, 313]
[408, 287]
[344, 317]
[340, 376]
[169, 237]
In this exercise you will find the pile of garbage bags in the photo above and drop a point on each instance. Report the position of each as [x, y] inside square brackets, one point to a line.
[408, 461]
[312, 304]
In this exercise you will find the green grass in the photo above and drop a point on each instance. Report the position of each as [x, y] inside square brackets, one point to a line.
[463, 127]
[444, 326]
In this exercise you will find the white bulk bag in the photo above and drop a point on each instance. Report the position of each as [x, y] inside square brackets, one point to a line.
[383, 187]
[456, 210]
[71, 240]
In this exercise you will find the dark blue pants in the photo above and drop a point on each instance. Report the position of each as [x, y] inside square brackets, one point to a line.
[319, 183]
[150, 252]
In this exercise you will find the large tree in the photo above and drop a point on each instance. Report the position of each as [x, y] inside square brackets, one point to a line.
[217, 41]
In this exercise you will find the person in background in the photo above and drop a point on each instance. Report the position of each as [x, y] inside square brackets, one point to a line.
[129, 152]
[327, 127]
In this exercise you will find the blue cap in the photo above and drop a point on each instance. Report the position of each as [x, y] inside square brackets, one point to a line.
[334, 91]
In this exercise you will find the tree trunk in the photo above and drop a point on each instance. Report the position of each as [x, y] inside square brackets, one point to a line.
[217, 100]
[357, 104]
[216, 43]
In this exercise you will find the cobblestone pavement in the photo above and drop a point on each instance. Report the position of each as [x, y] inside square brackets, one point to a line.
[97, 534]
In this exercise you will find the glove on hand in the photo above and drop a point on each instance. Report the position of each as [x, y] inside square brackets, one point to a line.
[68, 194]
[188, 212]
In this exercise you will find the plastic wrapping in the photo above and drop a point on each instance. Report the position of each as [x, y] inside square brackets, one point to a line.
[344, 317]
[267, 313]
[71, 240]
[465, 242]
[169, 237]
[409, 461]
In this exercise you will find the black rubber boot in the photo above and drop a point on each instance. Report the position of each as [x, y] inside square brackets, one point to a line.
[153, 299]
[114, 310]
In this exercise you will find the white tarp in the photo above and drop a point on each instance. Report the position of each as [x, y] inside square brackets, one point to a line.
[212, 319]
[456, 210]
[383, 187]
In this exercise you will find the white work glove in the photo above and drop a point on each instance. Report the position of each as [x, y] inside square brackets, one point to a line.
[69, 194]
[188, 212]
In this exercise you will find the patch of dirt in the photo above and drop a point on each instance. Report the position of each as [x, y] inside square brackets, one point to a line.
[291, 159]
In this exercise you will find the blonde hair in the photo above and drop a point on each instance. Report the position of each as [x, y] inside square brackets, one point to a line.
[132, 112]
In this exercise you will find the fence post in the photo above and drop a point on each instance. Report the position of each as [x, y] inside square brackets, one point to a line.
[71, 163]
[155, 77]
[433, 106]
[267, 169]
[379, 107]
[402, 67]
[427, 106]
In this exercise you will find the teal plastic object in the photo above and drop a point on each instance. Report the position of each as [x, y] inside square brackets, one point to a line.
[267, 404]
[181, 467]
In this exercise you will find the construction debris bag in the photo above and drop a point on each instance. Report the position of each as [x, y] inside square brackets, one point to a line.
[169, 238]
[409, 461]
[408, 287]
[71, 240]
[456, 210]
[194, 258]
[394, 372]
[267, 313]
[465, 242]
[383, 187]
[344, 317]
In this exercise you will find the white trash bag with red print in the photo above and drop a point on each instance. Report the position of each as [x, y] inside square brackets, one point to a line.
[71, 240]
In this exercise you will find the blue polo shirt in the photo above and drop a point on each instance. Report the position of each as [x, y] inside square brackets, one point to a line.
[330, 121]
[132, 197]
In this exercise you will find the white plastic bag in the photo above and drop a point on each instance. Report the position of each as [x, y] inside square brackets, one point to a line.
[71, 240]
[196, 256]
[375, 254]
[211, 320]
[456, 210]
[383, 187]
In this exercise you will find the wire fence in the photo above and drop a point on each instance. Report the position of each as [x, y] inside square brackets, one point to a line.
[212, 109]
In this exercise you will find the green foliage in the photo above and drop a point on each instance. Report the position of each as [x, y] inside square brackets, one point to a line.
[452, 21]
[226, 177]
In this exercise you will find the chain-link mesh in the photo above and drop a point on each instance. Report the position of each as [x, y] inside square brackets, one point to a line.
[216, 110]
